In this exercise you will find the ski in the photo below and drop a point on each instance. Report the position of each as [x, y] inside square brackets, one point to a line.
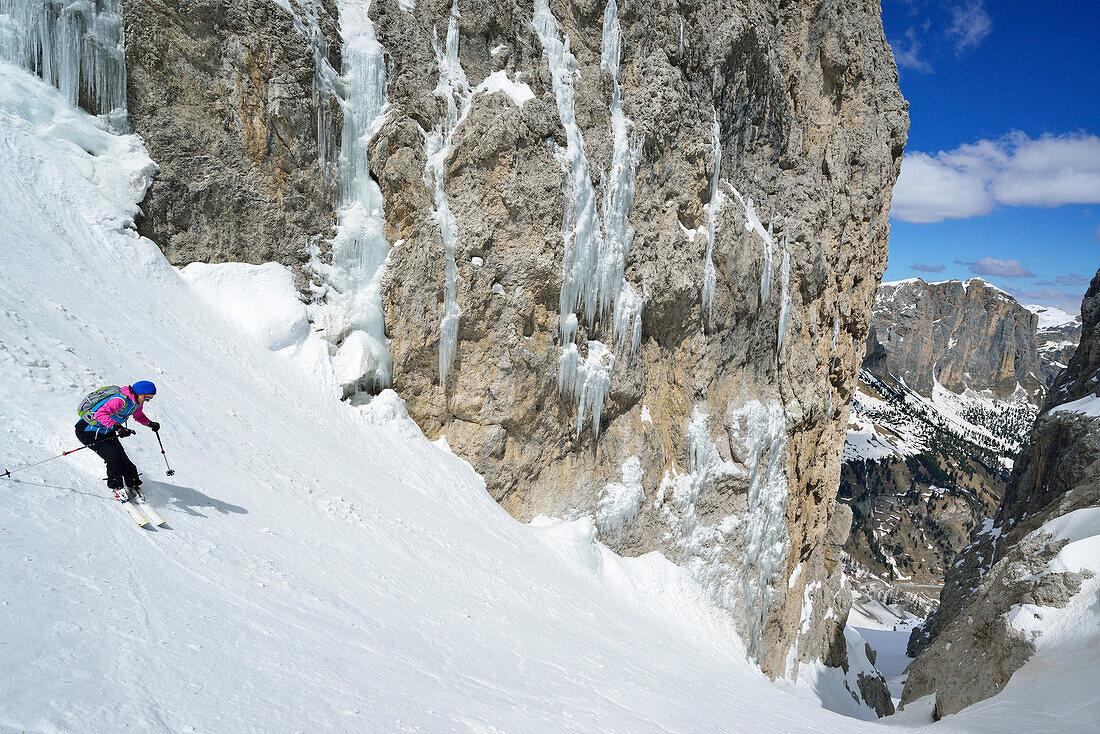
[135, 514]
[149, 512]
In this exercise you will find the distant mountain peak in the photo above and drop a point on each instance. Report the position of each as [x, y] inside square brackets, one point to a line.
[1051, 317]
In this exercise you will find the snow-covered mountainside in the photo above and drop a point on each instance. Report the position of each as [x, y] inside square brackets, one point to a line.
[620, 256]
[935, 428]
[325, 566]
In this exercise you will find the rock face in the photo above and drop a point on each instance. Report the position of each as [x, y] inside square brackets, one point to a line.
[969, 648]
[911, 516]
[222, 92]
[964, 334]
[695, 399]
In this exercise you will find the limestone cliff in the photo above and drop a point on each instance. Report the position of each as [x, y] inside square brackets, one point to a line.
[970, 647]
[223, 94]
[633, 257]
[966, 335]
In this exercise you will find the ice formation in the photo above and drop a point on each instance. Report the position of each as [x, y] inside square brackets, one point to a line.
[766, 533]
[455, 91]
[618, 196]
[326, 82]
[75, 45]
[832, 366]
[596, 234]
[710, 279]
[619, 503]
[753, 224]
[351, 313]
[749, 585]
[785, 299]
[703, 546]
[587, 381]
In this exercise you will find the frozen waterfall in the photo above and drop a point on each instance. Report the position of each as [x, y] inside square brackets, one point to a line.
[75, 45]
[765, 525]
[350, 315]
[455, 90]
[710, 278]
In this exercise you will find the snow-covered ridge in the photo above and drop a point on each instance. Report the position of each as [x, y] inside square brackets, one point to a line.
[905, 423]
[1049, 316]
[964, 283]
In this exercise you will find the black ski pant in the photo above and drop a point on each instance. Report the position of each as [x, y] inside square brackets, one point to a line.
[109, 448]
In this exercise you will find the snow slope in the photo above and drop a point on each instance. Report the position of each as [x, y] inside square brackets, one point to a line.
[326, 567]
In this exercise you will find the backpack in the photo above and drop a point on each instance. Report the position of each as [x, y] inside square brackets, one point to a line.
[94, 399]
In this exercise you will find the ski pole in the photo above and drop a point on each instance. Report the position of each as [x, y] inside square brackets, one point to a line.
[8, 472]
[171, 471]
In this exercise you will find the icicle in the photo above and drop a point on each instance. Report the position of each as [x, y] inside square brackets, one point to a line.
[628, 317]
[588, 381]
[351, 316]
[75, 45]
[595, 246]
[785, 300]
[710, 279]
[753, 224]
[619, 197]
[455, 90]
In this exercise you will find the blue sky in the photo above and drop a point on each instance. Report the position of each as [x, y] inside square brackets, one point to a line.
[1001, 176]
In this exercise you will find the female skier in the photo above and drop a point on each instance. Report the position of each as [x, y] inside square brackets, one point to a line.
[103, 415]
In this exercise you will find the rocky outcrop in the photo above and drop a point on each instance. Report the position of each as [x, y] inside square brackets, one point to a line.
[222, 93]
[912, 515]
[715, 437]
[966, 335]
[969, 648]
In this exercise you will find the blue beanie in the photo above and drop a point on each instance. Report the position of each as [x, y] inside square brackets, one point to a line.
[144, 387]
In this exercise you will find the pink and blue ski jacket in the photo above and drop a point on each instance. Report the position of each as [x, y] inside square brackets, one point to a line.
[115, 412]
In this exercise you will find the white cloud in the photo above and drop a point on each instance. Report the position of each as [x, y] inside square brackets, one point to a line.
[937, 268]
[970, 24]
[907, 53]
[1012, 171]
[1002, 268]
[1068, 301]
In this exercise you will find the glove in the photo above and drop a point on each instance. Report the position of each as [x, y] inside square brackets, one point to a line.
[123, 432]
[154, 425]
